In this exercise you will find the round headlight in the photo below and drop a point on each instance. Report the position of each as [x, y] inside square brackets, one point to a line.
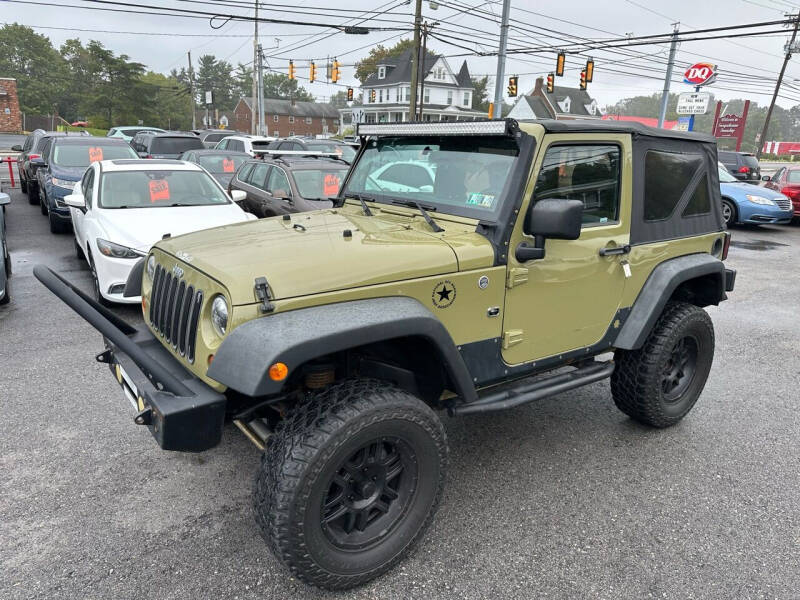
[219, 315]
[151, 266]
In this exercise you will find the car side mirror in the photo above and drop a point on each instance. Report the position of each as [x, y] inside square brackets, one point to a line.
[765, 178]
[556, 219]
[16, 148]
[5, 199]
[38, 162]
[281, 195]
[75, 201]
[238, 195]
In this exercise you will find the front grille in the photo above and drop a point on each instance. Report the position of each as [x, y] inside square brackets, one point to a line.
[175, 311]
[783, 203]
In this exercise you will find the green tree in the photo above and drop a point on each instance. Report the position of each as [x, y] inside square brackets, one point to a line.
[171, 107]
[243, 81]
[215, 76]
[480, 95]
[39, 70]
[279, 86]
[368, 65]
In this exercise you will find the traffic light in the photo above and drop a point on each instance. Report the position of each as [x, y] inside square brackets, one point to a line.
[372, 96]
[349, 94]
[551, 83]
[512, 86]
[583, 80]
[562, 58]
[589, 70]
[291, 69]
[335, 71]
[312, 72]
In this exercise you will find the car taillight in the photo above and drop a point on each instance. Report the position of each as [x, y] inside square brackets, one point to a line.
[726, 244]
[149, 156]
[743, 169]
[791, 192]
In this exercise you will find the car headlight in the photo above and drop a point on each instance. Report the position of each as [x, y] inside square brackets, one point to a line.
[219, 315]
[64, 183]
[151, 267]
[760, 200]
[113, 250]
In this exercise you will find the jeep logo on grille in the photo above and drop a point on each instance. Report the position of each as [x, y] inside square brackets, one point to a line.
[177, 272]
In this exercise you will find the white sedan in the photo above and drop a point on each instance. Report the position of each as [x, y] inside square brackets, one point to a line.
[120, 208]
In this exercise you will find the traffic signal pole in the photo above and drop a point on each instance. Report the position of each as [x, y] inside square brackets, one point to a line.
[789, 49]
[254, 111]
[501, 62]
[415, 66]
[662, 113]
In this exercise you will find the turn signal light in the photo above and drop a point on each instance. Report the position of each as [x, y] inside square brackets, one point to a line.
[278, 371]
[144, 304]
[210, 359]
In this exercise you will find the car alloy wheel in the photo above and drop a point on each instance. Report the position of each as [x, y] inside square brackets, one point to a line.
[727, 212]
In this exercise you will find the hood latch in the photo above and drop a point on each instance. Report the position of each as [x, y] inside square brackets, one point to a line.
[264, 294]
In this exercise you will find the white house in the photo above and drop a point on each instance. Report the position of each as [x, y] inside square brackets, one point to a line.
[386, 93]
[563, 103]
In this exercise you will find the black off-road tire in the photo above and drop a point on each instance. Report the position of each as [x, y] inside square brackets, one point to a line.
[23, 185]
[641, 377]
[312, 450]
[33, 193]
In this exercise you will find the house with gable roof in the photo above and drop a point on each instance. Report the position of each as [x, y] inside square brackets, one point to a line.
[386, 93]
[563, 103]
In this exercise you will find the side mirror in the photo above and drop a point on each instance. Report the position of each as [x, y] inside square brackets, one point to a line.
[765, 178]
[38, 162]
[75, 201]
[238, 195]
[5, 199]
[553, 218]
[16, 148]
[281, 195]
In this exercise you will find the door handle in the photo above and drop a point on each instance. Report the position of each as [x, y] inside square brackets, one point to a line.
[615, 250]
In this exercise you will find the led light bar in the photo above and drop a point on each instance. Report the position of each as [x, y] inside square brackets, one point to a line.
[496, 127]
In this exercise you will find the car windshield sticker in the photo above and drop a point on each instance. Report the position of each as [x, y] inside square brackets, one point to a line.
[228, 166]
[483, 200]
[444, 293]
[95, 154]
[338, 151]
[330, 185]
[159, 190]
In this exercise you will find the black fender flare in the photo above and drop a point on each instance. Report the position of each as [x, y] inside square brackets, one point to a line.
[658, 289]
[133, 285]
[297, 336]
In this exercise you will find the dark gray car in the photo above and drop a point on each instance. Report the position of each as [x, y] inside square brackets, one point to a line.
[210, 137]
[165, 145]
[222, 164]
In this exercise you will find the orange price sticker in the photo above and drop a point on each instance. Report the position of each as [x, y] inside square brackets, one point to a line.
[228, 166]
[330, 186]
[95, 154]
[159, 190]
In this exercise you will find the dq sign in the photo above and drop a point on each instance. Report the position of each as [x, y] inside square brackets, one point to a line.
[700, 74]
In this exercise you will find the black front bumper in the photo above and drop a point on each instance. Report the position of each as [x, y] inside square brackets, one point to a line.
[181, 411]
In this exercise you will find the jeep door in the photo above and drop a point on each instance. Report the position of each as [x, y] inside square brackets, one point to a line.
[569, 299]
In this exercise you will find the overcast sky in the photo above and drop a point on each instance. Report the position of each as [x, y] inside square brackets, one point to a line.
[747, 65]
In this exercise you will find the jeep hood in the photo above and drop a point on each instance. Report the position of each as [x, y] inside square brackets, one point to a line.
[323, 251]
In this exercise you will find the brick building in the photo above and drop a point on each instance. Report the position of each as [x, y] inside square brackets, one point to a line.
[10, 115]
[287, 117]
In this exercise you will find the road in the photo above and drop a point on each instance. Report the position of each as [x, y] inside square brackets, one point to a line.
[566, 498]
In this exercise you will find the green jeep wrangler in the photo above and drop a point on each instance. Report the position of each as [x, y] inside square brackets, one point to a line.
[465, 267]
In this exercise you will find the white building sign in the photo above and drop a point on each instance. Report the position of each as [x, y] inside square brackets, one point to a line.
[693, 103]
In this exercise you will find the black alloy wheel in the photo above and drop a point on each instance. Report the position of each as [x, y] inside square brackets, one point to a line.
[679, 369]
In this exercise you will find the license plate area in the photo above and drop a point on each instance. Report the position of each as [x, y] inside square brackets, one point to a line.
[128, 387]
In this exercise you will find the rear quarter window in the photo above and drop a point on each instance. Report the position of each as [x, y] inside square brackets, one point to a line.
[667, 177]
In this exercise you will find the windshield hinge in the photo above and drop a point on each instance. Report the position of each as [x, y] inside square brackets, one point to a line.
[264, 295]
[516, 276]
[512, 338]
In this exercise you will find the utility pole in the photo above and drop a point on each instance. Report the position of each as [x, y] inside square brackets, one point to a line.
[255, 108]
[662, 113]
[501, 62]
[789, 49]
[422, 67]
[261, 92]
[191, 92]
[415, 66]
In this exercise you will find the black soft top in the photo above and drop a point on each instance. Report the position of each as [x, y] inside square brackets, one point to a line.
[632, 127]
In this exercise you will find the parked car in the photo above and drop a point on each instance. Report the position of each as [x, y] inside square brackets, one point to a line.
[282, 185]
[746, 203]
[122, 207]
[786, 180]
[126, 132]
[742, 165]
[244, 143]
[222, 164]
[64, 164]
[345, 151]
[5, 257]
[164, 145]
[29, 160]
[211, 137]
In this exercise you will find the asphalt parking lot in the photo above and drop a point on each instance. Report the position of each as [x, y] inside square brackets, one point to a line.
[566, 498]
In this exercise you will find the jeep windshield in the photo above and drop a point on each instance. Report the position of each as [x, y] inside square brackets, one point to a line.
[462, 175]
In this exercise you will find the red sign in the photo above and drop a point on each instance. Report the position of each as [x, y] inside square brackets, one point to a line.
[228, 166]
[95, 154]
[730, 126]
[330, 185]
[700, 74]
[159, 190]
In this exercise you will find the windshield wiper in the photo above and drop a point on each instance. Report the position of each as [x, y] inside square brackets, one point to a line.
[428, 219]
[364, 207]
